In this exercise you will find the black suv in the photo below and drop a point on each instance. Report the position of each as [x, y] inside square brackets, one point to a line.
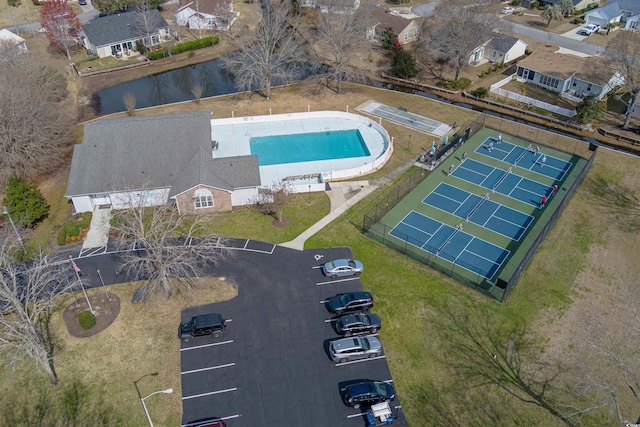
[349, 302]
[367, 393]
[358, 324]
[198, 326]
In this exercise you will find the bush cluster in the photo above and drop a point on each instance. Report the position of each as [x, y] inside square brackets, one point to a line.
[184, 47]
[74, 227]
[86, 320]
[461, 83]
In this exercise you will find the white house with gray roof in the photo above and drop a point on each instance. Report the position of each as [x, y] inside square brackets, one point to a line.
[117, 34]
[169, 157]
[625, 13]
[498, 49]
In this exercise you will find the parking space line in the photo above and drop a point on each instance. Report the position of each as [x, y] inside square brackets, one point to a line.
[337, 281]
[209, 368]
[330, 320]
[228, 320]
[206, 345]
[362, 360]
[355, 415]
[230, 417]
[210, 393]
[317, 266]
[324, 301]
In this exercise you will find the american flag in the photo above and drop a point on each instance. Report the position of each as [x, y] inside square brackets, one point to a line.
[75, 267]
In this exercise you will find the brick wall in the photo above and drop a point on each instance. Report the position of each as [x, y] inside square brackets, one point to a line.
[221, 201]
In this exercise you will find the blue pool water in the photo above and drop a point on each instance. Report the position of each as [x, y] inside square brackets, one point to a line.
[307, 147]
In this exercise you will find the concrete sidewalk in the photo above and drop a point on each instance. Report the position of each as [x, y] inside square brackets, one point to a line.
[98, 234]
[343, 195]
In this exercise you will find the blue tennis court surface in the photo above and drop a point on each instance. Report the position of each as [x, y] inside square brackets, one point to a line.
[479, 210]
[451, 244]
[501, 181]
[525, 158]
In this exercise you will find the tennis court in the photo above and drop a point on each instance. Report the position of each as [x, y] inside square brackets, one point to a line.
[525, 158]
[500, 181]
[479, 210]
[402, 116]
[451, 243]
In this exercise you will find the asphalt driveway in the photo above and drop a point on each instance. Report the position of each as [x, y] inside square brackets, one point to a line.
[271, 368]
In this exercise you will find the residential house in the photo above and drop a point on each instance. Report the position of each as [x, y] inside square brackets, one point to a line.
[499, 49]
[9, 40]
[625, 13]
[405, 29]
[569, 75]
[206, 14]
[116, 35]
[577, 4]
[158, 160]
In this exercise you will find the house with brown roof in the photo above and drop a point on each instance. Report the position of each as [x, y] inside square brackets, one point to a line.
[206, 14]
[568, 75]
[406, 30]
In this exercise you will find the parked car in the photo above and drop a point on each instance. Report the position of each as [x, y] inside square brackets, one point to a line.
[204, 325]
[82, 2]
[350, 302]
[367, 393]
[355, 348]
[507, 10]
[359, 323]
[589, 29]
[342, 267]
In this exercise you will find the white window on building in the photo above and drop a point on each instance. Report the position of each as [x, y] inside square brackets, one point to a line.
[202, 198]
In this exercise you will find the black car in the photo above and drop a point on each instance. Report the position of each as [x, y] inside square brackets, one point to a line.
[358, 324]
[349, 302]
[367, 393]
[204, 325]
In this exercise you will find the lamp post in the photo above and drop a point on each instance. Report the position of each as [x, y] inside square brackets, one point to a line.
[6, 212]
[142, 399]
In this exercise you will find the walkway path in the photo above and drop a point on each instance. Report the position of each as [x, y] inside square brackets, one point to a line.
[342, 198]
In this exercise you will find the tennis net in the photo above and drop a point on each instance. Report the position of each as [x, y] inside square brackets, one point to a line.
[457, 230]
[501, 180]
[475, 209]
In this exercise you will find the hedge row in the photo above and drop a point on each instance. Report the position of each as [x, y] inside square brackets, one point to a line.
[461, 83]
[73, 227]
[184, 47]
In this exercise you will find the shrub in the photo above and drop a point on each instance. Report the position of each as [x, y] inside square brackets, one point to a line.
[489, 70]
[535, 4]
[482, 74]
[184, 47]
[461, 83]
[516, 3]
[72, 228]
[481, 92]
[85, 220]
[86, 320]
[62, 237]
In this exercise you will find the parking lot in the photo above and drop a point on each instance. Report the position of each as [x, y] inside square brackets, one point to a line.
[271, 367]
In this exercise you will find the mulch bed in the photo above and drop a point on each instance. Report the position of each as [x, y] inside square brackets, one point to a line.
[105, 307]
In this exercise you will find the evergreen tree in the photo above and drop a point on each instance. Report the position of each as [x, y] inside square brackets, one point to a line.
[589, 110]
[25, 203]
[402, 64]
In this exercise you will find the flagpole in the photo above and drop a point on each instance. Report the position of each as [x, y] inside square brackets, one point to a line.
[77, 270]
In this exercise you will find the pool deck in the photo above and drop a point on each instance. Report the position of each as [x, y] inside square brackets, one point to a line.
[234, 140]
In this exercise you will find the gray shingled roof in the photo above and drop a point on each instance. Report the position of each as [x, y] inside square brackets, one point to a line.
[121, 27]
[162, 151]
[503, 43]
[607, 12]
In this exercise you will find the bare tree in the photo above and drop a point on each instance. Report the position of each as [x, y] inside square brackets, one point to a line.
[197, 91]
[129, 100]
[567, 8]
[170, 249]
[27, 302]
[172, 10]
[273, 51]
[14, 4]
[61, 24]
[35, 127]
[490, 354]
[463, 25]
[623, 54]
[145, 20]
[342, 35]
[275, 199]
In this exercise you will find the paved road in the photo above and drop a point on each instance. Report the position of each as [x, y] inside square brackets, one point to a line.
[87, 14]
[557, 40]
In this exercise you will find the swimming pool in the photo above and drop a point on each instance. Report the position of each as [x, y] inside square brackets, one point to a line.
[307, 147]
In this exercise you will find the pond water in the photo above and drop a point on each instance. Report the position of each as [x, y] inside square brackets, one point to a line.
[176, 86]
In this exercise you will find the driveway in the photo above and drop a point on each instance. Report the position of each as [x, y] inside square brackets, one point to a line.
[271, 368]
[557, 39]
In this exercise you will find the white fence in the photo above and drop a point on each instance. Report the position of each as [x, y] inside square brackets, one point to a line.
[497, 89]
[328, 175]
